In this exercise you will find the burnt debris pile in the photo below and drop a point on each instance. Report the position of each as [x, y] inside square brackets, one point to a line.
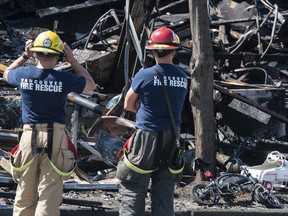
[250, 44]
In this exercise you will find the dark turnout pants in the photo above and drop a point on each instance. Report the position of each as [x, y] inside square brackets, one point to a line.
[148, 151]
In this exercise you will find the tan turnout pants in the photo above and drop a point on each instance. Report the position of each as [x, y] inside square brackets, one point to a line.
[40, 187]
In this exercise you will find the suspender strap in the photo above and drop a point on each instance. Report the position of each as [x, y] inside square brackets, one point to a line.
[178, 157]
[33, 140]
[47, 150]
[34, 147]
[167, 100]
[49, 140]
[134, 167]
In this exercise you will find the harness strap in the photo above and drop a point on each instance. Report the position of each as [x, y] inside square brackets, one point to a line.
[41, 150]
[22, 168]
[33, 139]
[47, 150]
[158, 156]
[64, 174]
[133, 167]
[49, 140]
[177, 171]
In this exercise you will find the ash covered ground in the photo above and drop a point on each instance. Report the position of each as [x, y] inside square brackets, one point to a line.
[110, 201]
[182, 199]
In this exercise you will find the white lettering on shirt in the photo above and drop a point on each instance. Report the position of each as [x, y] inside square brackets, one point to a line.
[179, 82]
[40, 85]
[156, 81]
[26, 85]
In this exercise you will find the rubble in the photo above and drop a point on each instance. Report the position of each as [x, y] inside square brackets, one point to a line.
[249, 41]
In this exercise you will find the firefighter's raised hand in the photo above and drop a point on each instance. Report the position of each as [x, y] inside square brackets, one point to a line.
[28, 45]
[68, 54]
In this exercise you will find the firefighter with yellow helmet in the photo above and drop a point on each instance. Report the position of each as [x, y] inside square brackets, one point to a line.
[149, 153]
[44, 155]
[48, 42]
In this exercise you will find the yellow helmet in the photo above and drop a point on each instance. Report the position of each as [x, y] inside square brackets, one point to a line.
[48, 42]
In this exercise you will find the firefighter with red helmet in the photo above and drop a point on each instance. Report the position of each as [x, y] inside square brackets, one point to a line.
[149, 153]
[163, 39]
[44, 156]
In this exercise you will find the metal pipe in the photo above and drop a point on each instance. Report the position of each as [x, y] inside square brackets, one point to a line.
[73, 97]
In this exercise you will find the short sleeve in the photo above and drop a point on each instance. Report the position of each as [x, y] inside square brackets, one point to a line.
[138, 82]
[14, 76]
[75, 83]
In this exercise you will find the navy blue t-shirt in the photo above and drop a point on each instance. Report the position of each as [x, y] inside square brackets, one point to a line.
[44, 92]
[153, 114]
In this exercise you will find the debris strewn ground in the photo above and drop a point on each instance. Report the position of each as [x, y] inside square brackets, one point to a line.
[251, 71]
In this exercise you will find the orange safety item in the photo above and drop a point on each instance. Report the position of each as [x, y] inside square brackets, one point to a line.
[163, 38]
[48, 42]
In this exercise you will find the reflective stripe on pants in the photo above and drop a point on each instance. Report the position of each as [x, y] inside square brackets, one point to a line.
[142, 154]
[40, 188]
[133, 194]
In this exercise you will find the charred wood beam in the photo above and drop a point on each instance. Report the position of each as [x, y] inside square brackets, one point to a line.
[94, 204]
[166, 8]
[250, 102]
[225, 22]
[58, 10]
[246, 57]
[274, 142]
[250, 57]
[87, 203]
[76, 186]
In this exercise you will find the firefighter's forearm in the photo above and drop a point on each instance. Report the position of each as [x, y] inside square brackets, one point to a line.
[81, 71]
[17, 63]
[131, 102]
[131, 108]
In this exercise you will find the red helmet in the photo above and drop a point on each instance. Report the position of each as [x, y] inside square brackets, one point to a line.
[163, 38]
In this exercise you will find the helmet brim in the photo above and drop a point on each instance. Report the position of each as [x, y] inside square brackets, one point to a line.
[161, 47]
[45, 50]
